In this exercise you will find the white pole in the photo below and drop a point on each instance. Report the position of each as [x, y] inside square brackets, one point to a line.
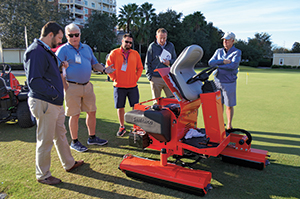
[1, 52]
[247, 78]
[26, 41]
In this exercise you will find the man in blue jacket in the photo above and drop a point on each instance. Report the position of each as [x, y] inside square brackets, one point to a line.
[155, 58]
[227, 59]
[45, 101]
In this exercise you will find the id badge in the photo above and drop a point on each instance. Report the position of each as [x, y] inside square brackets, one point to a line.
[124, 66]
[77, 59]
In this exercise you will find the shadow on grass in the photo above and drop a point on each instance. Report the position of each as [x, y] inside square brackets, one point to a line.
[89, 191]
[86, 171]
[275, 180]
[290, 146]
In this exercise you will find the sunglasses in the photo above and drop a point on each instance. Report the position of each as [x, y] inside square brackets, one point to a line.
[128, 42]
[72, 35]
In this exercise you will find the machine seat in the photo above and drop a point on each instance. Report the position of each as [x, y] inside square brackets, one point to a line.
[183, 69]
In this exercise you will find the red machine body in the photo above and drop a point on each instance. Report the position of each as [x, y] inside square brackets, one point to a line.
[169, 139]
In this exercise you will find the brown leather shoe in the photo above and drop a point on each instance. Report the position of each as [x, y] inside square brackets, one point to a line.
[77, 164]
[50, 181]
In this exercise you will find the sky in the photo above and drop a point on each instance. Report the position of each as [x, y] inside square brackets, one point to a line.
[280, 19]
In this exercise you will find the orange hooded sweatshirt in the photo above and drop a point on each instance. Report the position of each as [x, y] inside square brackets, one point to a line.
[134, 69]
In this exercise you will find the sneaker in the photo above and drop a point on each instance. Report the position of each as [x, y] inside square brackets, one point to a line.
[78, 147]
[96, 140]
[121, 131]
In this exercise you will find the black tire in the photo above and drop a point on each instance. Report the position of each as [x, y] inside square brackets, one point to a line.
[25, 119]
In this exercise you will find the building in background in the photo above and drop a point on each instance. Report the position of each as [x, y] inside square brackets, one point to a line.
[288, 59]
[82, 9]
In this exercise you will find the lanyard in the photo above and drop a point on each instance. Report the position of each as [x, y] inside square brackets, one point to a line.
[125, 56]
[76, 49]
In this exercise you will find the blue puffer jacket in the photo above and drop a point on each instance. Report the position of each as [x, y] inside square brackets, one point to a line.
[42, 73]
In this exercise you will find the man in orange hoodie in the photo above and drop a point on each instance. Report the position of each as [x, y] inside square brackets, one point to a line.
[129, 68]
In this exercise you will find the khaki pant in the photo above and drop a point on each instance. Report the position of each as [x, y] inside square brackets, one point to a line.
[50, 130]
[158, 84]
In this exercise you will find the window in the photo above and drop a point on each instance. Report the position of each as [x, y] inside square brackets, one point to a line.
[86, 11]
[93, 5]
[281, 61]
[86, 3]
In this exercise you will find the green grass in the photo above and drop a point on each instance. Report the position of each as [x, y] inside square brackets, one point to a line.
[268, 107]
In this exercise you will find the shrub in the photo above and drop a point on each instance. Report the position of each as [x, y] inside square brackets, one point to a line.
[265, 62]
[15, 66]
[285, 66]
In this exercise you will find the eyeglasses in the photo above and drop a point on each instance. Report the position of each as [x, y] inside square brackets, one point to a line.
[128, 42]
[72, 35]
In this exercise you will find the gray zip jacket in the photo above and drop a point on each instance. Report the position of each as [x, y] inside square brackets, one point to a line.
[152, 61]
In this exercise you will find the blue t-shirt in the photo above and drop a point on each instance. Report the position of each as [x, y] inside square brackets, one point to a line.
[77, 72]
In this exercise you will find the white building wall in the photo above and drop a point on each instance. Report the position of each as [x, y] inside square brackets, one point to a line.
[13, 55]
[289, 59]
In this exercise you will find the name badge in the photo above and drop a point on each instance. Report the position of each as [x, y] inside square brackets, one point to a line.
[124, 66]
[77, 59]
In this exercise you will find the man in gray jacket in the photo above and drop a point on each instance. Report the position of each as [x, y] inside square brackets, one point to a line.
[161, 53]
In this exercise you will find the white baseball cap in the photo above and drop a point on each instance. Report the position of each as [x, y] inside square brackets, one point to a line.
[229, 35]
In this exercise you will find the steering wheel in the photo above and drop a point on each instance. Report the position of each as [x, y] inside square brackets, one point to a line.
[4, 72]
[203, 75]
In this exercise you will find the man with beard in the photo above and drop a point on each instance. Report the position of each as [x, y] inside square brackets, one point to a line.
[129, 68]
[45, 101]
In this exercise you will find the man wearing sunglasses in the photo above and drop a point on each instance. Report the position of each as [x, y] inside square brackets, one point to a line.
[80, 96]
[129, 68]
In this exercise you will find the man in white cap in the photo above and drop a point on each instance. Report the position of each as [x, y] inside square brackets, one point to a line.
[227, 59]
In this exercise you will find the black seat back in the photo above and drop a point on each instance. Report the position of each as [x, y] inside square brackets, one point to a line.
[3, 88]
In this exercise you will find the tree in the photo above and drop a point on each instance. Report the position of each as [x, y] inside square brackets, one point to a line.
[141, 30]
[171, 21]
[197, 31]
[262, 42]
[33, 14]
[146, 12]
[296, 48]
[99, 31]
[249, 52]
[280, 50]
[127, 17]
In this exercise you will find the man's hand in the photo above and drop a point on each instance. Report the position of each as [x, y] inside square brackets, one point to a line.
[166, 62]
[65, 64]
[109, 69]
[226, 61]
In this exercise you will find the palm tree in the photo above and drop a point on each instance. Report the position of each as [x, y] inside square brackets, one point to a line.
[146, 12]
[127, 16]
